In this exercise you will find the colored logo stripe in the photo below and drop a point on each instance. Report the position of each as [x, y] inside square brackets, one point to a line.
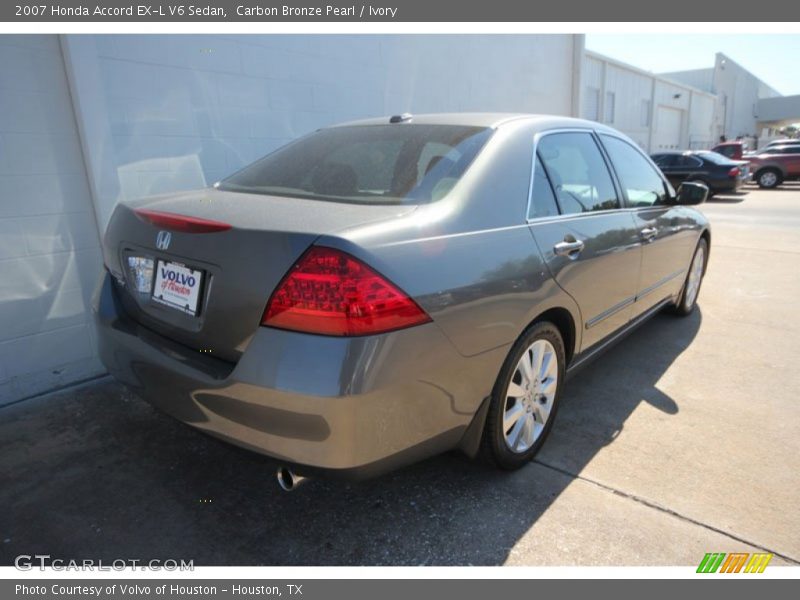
[735, 561]
[758, 563]
[711, 562]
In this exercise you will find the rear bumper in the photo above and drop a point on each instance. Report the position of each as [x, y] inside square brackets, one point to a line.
[349, 406]
[727, 185]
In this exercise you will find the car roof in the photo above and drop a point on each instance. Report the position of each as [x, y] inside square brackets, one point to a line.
[488, 119]
[778, 147]
[678, 152]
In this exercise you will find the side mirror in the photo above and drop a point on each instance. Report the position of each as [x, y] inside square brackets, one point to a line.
[691, 193]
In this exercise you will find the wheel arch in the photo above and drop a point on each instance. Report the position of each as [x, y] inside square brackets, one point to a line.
[770, 167]
[563, 320]
[565, 323]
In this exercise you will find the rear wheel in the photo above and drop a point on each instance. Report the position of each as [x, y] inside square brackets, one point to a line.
[769, 178]
[525, 397]
[694, 278]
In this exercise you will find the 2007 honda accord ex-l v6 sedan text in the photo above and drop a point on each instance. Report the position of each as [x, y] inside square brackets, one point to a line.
[381, 291]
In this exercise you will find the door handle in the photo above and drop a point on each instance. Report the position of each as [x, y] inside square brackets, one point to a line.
[648, 233]
[568, 248]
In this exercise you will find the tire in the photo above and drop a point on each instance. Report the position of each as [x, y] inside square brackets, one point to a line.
[694, 279]
[705, 183]
[769, 178]
[535, 409]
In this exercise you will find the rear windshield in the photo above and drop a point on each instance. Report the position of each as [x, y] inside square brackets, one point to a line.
[373, 164]
[716, 158]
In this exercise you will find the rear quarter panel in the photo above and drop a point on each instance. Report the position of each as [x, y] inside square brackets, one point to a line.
[470, 259]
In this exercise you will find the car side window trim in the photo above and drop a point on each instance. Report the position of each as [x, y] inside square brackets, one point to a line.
[536, 139]
[621, 195]
[549, 181]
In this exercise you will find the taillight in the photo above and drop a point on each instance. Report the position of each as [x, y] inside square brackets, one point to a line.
[182, 223]
[734, 172]
[329, 292]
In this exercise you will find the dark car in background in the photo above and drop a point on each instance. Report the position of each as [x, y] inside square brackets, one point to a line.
[719, 173]
[382, 291]
[775, 164]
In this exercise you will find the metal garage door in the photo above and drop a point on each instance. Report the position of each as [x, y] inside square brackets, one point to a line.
[591, 104]
[667, 135]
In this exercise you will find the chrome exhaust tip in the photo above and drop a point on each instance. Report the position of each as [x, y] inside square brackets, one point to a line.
[288, 480]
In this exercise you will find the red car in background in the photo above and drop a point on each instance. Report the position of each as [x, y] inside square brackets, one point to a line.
[773, 165]
[733, 150]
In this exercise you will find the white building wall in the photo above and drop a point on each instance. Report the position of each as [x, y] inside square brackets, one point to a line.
[738, 92]
[784, 109]
[702, 79]
[49, 253]
[164, 113]
[632, 96]
[702, 122]
[593, 78]
[657, 113]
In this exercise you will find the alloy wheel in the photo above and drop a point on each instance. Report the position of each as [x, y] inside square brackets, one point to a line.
[695, 277]
[768, 179]
[530, 396]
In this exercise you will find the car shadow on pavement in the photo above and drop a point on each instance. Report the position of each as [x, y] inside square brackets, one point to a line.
[732, 198]
[97, 473]
[786, 186]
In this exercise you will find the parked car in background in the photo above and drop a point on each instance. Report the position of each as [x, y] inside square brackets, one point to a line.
[780, 142]
[734, 150]
[718, 172]
[774, 165]
[382, 291]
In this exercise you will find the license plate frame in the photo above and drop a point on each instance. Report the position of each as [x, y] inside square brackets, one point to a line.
[177, 286]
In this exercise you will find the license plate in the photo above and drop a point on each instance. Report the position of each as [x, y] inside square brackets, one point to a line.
[177, 286]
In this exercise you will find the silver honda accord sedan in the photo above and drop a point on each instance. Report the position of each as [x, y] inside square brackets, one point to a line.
[385, 290]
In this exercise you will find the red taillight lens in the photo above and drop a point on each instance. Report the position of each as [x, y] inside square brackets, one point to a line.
[734, 172]
[180, 222]
[329, 292]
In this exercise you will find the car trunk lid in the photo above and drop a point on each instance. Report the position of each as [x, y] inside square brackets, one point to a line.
[232, 268]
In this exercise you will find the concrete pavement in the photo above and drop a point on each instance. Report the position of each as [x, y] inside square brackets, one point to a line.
[682, 440]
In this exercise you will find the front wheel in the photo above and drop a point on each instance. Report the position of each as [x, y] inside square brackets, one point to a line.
[694, 278]
[525, 397]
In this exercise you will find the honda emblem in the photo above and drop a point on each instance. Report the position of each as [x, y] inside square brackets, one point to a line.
[163, 239]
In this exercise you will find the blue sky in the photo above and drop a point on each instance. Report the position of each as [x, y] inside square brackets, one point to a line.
[773, 58]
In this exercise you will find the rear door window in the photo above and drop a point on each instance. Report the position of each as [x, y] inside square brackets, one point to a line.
[686, 161]
[716, 158]
[578, 172]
